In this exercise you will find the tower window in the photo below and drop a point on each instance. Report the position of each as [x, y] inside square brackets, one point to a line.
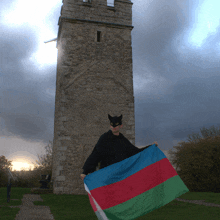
[110, 3]
[98, 36]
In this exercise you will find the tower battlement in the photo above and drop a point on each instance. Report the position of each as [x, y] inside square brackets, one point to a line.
[98, 10]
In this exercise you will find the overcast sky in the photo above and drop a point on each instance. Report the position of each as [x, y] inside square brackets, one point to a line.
[176, 72]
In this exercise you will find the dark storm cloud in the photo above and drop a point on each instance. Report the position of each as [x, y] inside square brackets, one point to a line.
[161, 22]
[15, 49]
[181, 93]
[28, 109]
[27, 100]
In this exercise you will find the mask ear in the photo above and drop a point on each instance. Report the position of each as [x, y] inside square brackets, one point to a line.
[109, 117]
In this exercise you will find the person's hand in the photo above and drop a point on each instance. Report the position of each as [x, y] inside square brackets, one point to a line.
[155, 143]
[82, 176]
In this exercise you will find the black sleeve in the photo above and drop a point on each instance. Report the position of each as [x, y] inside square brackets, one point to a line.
[94, 158]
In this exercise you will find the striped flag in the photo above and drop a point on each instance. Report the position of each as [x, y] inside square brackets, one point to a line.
[134, 187]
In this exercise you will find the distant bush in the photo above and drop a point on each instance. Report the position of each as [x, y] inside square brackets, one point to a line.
[199, 162]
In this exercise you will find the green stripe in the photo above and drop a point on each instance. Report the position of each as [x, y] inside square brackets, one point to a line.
[149, 200]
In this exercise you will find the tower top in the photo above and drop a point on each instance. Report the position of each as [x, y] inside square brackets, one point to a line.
[98, 10]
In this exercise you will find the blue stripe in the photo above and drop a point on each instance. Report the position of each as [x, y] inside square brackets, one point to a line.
[125, 168]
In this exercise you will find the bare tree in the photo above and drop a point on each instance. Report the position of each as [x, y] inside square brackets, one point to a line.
[45, 161]
[206, 133]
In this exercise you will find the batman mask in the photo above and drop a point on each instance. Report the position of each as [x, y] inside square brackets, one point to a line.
[115, 121]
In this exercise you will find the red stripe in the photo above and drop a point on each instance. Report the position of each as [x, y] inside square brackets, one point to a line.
[92, 203]
[119, 192]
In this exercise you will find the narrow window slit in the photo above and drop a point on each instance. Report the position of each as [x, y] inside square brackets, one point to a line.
[98, 36]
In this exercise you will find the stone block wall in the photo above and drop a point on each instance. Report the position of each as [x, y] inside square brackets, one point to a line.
[94, 79]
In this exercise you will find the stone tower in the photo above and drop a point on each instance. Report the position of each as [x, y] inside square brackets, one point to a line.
[94, 79]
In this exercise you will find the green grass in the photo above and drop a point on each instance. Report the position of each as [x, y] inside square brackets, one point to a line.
[69, 207]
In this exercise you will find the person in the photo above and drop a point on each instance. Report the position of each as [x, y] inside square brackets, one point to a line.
[112, 147]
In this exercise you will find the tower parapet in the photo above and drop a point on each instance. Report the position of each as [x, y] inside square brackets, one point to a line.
[98, 10]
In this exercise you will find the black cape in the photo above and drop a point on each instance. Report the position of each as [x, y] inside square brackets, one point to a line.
[110, 149]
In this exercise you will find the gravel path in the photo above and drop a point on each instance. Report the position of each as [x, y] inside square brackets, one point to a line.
[29, 211]
[198, 202]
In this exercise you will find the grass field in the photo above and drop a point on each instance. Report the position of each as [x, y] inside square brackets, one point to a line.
[77, 207]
